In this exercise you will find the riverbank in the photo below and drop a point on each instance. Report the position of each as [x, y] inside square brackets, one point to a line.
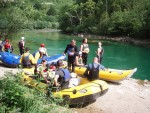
[129, 96]
[136, 41]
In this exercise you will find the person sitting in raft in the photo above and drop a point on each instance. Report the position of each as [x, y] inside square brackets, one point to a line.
[74, 81]
[92, 71]
[62, 76]
[27, 59]
[46, 72]
[38, 54]
[43, 51]
[79, 60]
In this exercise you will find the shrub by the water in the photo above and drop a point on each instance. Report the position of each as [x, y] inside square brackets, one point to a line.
[16, 97]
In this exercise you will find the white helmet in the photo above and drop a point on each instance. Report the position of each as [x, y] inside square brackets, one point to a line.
[22, 38]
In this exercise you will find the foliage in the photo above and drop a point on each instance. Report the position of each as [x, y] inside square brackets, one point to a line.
[31, 14]
[15, 97]
[103, 17]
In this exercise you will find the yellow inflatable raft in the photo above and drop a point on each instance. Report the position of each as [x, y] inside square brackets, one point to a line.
[112, 75]
[84, 93]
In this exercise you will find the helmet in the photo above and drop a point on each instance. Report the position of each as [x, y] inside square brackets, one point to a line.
[22, 38]
[53, 67]
[42, 45]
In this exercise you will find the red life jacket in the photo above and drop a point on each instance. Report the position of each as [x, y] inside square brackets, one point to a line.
[7, 46]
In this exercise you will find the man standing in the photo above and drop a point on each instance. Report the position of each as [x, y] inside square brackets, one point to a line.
[21, 45]
[72, 51]
[27, 59]
[92, 71]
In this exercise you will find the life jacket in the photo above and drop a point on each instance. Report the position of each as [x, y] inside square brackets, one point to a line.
[80, 60]
[20, 44]
[35, 53]
[26, 61]
[7, 46]
[85, 46]
[102, 50]
[66, 76]
[94, 73]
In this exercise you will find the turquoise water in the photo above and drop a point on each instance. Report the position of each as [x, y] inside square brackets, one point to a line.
[116, 55]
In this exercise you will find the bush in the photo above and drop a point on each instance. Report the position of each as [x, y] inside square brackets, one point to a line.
[15, 97]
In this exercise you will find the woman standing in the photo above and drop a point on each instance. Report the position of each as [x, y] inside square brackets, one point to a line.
[100, 52]
[85, 50]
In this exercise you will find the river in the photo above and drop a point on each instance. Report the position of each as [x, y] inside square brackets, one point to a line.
[116, 55]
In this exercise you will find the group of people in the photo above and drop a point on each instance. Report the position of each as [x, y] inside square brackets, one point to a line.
[6, 46]
[29, 60]
[79, 57]
[60, 75]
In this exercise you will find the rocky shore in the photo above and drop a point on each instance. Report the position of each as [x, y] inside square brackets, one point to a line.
[143, 42]
[128, 96]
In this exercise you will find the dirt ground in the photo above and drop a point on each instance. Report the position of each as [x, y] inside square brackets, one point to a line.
[128, 96]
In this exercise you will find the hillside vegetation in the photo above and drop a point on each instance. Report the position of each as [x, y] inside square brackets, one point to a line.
[102, 17]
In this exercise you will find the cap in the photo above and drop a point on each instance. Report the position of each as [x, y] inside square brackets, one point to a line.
[27, 49]
[22, 38]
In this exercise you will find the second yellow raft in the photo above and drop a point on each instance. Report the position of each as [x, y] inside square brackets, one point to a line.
[113, 75]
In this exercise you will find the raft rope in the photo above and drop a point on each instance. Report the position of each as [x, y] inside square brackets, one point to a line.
[75, 91]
